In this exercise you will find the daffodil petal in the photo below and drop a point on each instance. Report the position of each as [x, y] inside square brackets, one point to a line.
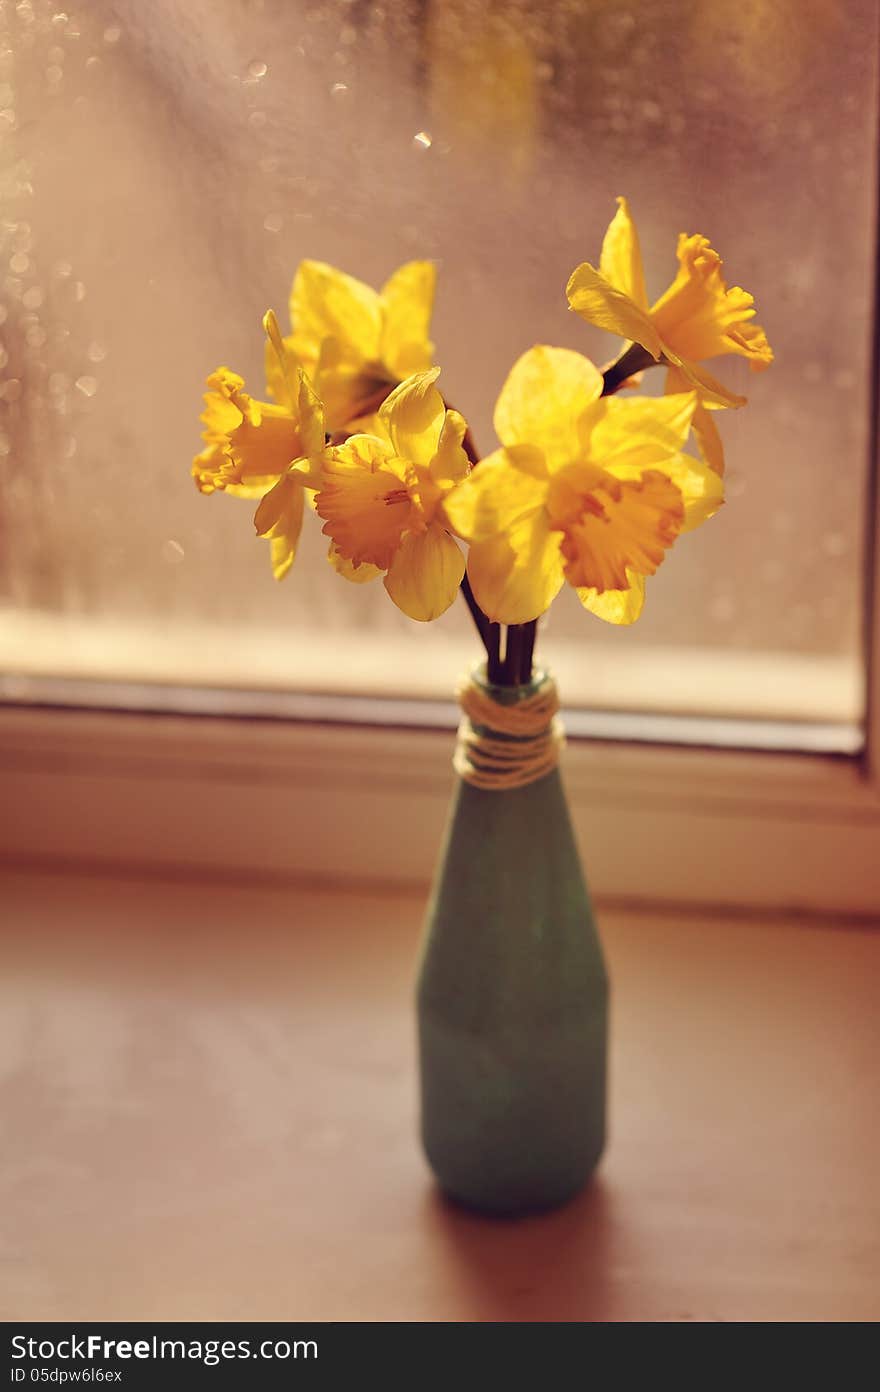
[705, 430]
[546, 393]
[413, 415]
[621, 259]
[708, 438]
[327, 303]
[516, 576]
[616, 606]
[450, 464]
[297, 391]
[283, 376]
[349, 389]
[646, 429]
[407, 301]
[279, 518]
[356, 574]
[711, 391]
[425, 573]
[504, 489]
[599, 302]
[278, 370]
[701, 488]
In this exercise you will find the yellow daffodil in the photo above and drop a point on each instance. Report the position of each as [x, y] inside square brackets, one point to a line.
[697, 318]
[381, 499]
[356, 343]
[585, 488]
[259, 449]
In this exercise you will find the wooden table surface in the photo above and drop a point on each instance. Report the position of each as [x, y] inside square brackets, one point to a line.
[209, 1112]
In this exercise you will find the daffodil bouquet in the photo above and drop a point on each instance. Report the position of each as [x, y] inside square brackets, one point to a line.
[587, 487]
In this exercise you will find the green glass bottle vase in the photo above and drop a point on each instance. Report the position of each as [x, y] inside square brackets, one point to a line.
[512, 1002]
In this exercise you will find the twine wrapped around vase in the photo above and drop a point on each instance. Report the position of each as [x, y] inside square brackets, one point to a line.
[507, 746]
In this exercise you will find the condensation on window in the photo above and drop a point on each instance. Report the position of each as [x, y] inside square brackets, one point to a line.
[163, 168]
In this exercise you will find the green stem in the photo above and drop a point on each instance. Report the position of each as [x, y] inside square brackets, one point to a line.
[479, 618]
[513, 654]
[634, 359]
[494, 665]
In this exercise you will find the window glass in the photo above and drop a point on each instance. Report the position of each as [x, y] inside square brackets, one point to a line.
[164, 168]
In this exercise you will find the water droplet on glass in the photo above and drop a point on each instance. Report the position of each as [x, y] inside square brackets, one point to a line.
[68, 448]
[93, 62]
[258, 119]
[273, 222]
[62, 269]
[422, 140]
[35, 336]
[4, 312]
[59, 20]
[58, 383]
[87, 385]
[257, 69]
[54, 75]
[4, 356]
[79, 291]
[96, 352]
[172, 552]
[339, 89]
[32, 298]
[112, 34]
[19, 262]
